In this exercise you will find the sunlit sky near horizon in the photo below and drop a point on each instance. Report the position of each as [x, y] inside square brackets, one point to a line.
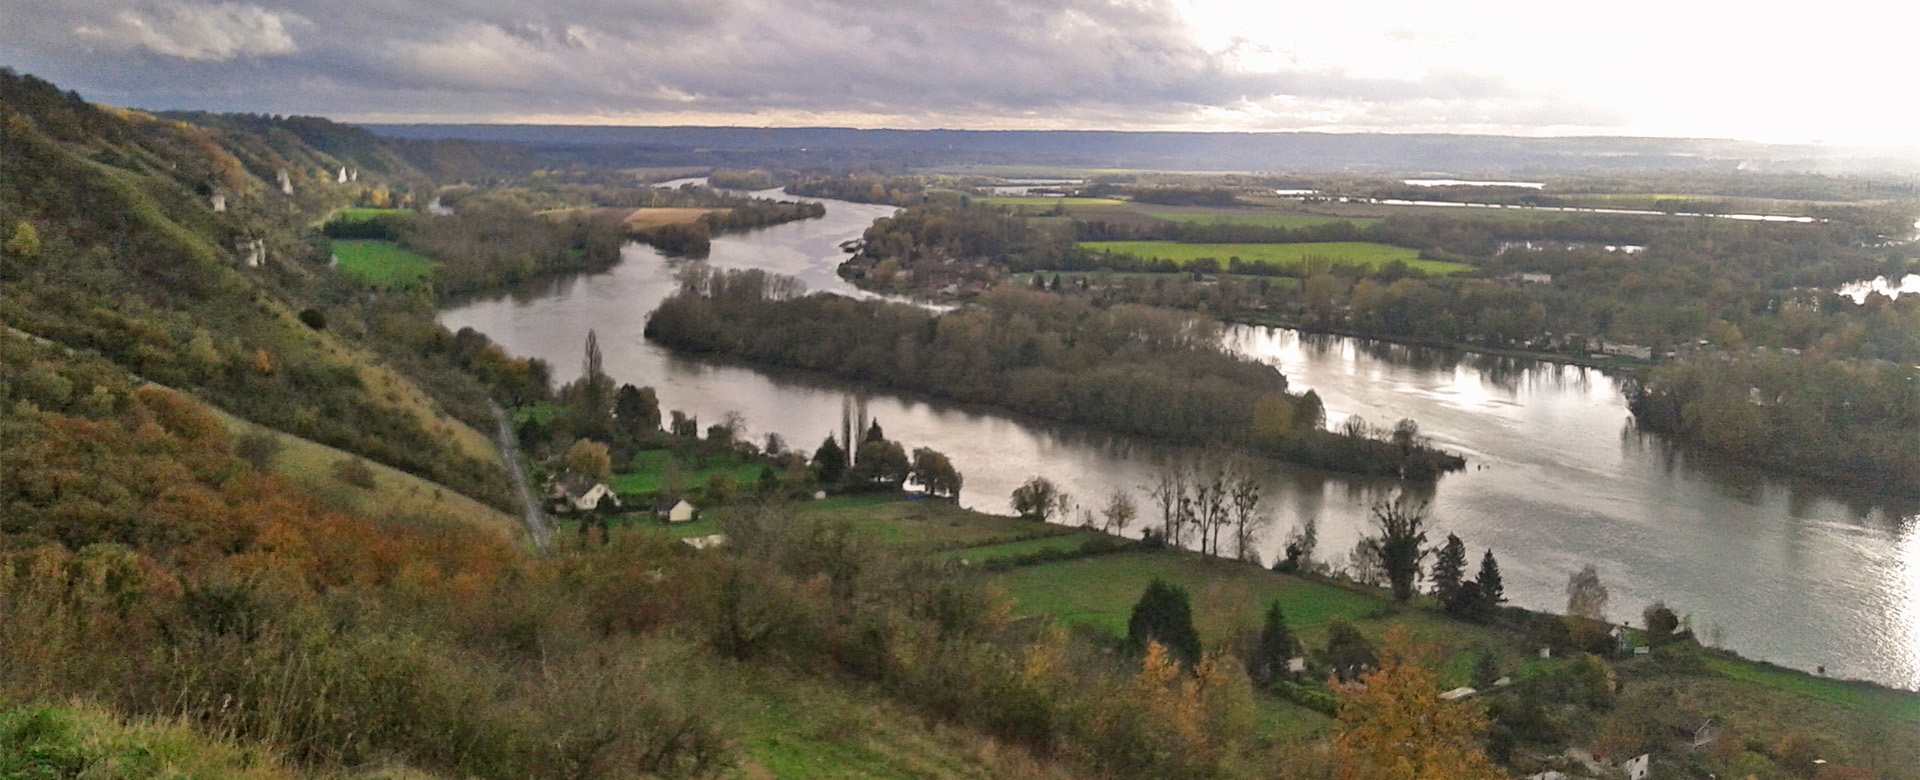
[1836, 72]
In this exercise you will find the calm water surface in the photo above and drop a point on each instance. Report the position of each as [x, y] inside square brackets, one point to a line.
[1787, 571]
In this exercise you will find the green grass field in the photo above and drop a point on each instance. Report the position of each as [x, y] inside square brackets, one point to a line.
[1347, 252]
[1228, 597]
[1800, 684]
[1289, 221]
[651, 467]
[1048, 203]
[1097, 277]
[926, 525]
[363, 214]
[382, 263]
[993, 552]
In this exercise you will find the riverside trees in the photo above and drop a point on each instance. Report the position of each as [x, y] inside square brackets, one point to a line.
[1202, 501]
[1400, 544]
[1130, 369]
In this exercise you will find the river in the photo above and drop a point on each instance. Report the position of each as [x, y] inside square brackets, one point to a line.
[1777, 569]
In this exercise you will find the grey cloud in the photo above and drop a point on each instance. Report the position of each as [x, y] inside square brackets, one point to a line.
[195, 31]
[982, 59]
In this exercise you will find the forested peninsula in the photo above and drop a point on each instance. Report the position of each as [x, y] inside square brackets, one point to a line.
[1128, 369]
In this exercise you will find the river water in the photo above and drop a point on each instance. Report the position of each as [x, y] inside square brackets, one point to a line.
[1783, 570]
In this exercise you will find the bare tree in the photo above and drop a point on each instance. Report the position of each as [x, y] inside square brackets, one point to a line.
[1171, 491]
[1243, 495]
[1210, 506]
[1120, 511]
[1586, 597]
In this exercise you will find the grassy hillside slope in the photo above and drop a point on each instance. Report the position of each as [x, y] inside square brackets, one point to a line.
[120, 253]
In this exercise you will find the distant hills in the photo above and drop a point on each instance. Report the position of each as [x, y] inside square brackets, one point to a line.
[1251, 152]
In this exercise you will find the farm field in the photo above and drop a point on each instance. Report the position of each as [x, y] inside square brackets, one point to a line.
[382, 263]
[1288, 221]
[363, 214]
[926, 525]
[1037, 203]
[1108, 277]
[651, 470]
[1352, 252]
[993, 552]
[1228, 597]
[643, 219]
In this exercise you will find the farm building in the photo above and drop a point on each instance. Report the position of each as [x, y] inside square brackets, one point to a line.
[677, 510]
[580, 494]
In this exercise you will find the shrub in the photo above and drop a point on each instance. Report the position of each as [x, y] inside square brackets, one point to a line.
[259, 449]
[355, 472]
[1661, 622]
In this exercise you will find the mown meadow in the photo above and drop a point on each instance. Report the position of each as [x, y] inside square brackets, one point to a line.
[1352, 253]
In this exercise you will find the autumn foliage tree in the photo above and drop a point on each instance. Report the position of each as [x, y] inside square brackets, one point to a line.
[1393, 725]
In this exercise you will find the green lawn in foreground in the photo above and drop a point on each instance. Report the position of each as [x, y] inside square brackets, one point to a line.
[1101, 591]
[1289, 221]
[382, 263]
[1229, 597]
[1347, 252]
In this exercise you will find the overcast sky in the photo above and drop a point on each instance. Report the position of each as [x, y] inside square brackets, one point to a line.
[1839, 71]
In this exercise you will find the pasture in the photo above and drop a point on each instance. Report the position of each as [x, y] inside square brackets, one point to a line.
[382, 263]
[654, 471]
[1357, 253]
[646, 219]
[1039, 204]
[364, 214]
[1288, 221]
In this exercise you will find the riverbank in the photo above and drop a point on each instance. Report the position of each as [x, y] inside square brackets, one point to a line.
[1615, 365]
[1782, 569]
[1089, 580]
[1135, 370]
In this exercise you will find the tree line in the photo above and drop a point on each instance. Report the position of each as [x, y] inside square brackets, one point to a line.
[1125, 368]
[1852, 421]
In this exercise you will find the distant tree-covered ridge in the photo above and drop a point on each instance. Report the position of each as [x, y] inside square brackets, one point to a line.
[1130, 369]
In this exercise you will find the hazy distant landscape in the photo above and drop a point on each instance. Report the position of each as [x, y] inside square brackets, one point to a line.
[1409, 154]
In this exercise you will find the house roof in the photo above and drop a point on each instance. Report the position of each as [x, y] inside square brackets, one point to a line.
[575, 486]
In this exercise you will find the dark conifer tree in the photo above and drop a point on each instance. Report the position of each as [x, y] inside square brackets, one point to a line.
[1492, 592]
[1449, 569]
[1164, 614]
[830, 461]
[1274, 647]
